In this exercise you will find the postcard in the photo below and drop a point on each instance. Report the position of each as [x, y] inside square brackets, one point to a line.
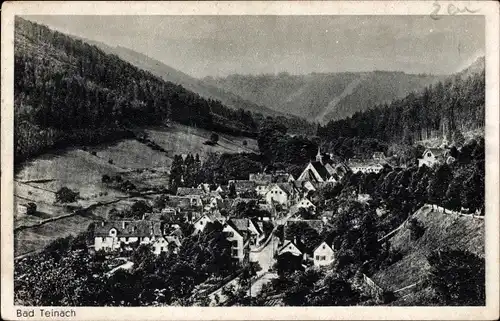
[247, 160]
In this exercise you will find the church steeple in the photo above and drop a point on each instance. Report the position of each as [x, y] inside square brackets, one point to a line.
[319, 158]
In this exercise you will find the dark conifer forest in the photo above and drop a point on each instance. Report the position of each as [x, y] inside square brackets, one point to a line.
[68, 91]
[455, 105]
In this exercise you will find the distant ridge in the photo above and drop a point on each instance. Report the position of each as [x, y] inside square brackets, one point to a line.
[173, 75]
[323, 96]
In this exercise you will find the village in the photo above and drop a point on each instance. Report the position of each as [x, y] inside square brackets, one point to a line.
[277, 201]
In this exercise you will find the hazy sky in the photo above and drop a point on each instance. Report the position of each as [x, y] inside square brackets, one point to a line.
[221, 45]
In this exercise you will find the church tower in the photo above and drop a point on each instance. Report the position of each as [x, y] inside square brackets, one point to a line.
[319, 158]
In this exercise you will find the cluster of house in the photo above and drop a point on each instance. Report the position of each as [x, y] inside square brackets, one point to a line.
[320, 254]
[202, 205]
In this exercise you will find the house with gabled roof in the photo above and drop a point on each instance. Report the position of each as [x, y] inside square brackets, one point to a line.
[432, 156]
[242, 233]
[291, 247]
[323, 254]
[305, 203]
[282, 193]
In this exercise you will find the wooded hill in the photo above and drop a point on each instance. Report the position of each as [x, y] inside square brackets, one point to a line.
[175, 76]
[323, 96]
[455, 104]
[69, 92]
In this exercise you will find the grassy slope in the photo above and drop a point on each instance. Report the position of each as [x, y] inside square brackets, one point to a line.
[443, 230]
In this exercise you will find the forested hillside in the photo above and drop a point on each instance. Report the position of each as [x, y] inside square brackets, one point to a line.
[67, 91]
[173, 75]
[448, 107]
[323, 96]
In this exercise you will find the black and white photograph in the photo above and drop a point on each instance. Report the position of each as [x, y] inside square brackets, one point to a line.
[249, 160]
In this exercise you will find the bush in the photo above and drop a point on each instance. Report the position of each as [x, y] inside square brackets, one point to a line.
[416, 229]
[214, 138]
[66, 195]
[93, 153]
[110, 161]
[31, 208]
[245, 143]
[105, 178]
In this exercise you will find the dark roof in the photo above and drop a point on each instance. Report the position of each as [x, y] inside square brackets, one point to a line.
[436, 151]
[322, 171]
[185, 191]
[241, 224]
[365, 162]
[261, 178]
[281, 178]
[310, 176]
[243, 186]
[316, 247]
[296, 244]
[129, 228]
[286, 187]
[314, 224]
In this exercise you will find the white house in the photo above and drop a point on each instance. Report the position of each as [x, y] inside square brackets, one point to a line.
[283, 193]
[368, 166]
[201, 223]
[323, 255]
[305, 203]
[292, 248]
[277, 194]
[431, 157]
[242, 232]
[262, 190]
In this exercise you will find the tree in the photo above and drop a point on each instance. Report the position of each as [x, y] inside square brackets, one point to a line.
[453, 199]
[31, 208]
[66, 195]
[458, 277]
[416, 229]
[458, 138]
[214, 138]
[439, 184]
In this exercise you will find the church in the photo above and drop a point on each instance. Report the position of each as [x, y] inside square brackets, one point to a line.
[319, 171]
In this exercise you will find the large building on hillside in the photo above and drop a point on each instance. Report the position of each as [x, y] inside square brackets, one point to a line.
[116, 235]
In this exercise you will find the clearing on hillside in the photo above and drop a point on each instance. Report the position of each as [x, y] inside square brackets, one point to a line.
[442, 230]
[180, 139]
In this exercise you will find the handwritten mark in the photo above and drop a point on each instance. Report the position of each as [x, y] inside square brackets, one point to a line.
[451, 9]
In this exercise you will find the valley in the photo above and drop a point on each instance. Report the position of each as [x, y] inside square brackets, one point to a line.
[136, 184]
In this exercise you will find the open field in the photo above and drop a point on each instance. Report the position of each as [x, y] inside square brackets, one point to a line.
[36, 238]
[180, 139]
[131, 154]
[81, 170]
